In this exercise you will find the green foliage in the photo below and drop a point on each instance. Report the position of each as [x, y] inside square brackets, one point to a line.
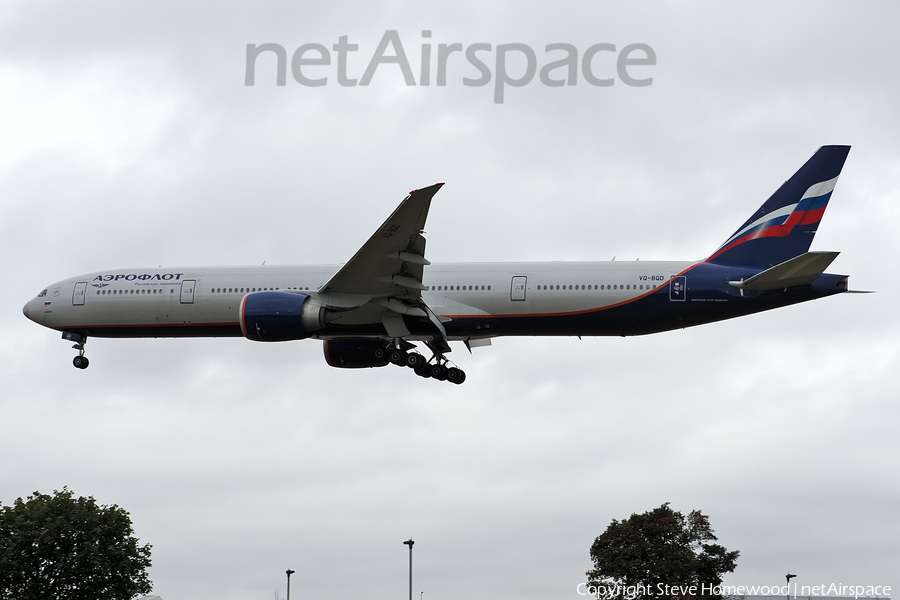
[650, 554]
[60, 547]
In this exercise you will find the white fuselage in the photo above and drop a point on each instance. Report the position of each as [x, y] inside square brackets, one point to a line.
[193, 301]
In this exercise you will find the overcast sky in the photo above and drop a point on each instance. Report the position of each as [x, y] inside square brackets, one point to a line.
[128, 138]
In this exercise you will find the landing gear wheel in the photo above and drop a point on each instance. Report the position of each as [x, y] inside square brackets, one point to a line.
[380, 352]
[398, 357]
[414, 359]
[439, 372]
[423, 370]
[81, 362]
[455, 375]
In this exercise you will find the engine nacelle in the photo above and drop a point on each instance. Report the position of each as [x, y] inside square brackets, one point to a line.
[355, 354]
[280, 316]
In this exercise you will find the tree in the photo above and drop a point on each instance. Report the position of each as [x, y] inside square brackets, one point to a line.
[659, 554]
[55, 547]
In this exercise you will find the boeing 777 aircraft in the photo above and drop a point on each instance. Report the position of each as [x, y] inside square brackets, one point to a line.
[372, 310]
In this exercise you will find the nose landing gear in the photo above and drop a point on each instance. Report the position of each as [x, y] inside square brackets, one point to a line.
[81, 361]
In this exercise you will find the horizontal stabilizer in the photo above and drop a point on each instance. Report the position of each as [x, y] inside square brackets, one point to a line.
[800, 270]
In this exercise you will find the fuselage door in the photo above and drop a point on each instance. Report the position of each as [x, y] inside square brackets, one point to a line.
[678, 289]
[517, 288]
[78, 294]
[187, 291]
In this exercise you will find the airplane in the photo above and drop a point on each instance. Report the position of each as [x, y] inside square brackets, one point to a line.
[374, 309]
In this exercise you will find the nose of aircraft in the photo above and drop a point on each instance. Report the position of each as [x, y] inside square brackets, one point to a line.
[26, 310]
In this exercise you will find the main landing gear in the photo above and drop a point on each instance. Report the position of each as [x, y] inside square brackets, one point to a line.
[437, 368]
[81, 361]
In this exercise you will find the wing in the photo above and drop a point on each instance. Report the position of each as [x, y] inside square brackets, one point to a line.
[383, 280]
[390, 264]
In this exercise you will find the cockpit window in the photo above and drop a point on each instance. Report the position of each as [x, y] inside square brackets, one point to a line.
[42, 294]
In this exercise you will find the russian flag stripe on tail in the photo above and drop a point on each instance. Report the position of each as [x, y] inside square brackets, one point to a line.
[784, 226]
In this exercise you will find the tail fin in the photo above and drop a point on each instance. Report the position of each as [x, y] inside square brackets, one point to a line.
[785, 225]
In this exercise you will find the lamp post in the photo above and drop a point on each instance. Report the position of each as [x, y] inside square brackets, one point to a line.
[289, 573]
[788, 577]
[410, 543]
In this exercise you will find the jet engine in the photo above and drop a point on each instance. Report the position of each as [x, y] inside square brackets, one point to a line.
[274, 316]
[355, 354]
